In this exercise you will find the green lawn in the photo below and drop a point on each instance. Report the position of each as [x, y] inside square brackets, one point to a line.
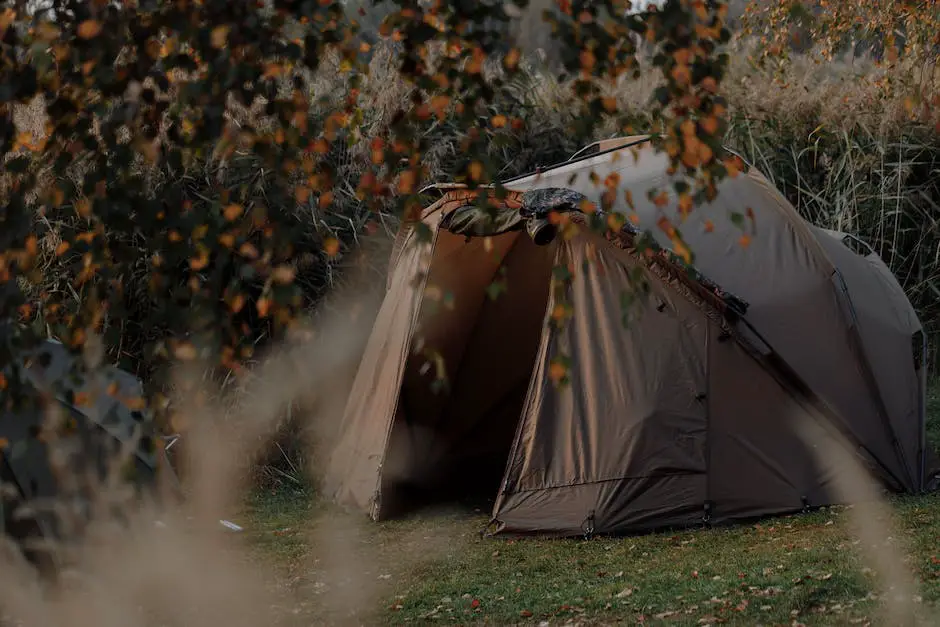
[436, 568]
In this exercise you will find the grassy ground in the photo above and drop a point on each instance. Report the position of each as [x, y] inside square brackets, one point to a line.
[802, 569]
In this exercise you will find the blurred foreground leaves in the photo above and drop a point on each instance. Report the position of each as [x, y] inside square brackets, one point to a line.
[191, 156]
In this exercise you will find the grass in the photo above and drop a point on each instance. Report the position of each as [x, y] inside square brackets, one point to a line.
[436, 568]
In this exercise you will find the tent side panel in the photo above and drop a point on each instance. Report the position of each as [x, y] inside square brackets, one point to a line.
[887, 324]
[759, 464]
[353, 473]
[624, 443]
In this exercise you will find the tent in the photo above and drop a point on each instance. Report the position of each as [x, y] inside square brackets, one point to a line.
[99, 415]
[667, 397]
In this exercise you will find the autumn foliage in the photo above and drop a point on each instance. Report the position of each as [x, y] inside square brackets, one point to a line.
[181, 195]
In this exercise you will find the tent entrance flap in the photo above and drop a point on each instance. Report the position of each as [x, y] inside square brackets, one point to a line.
[479, 326]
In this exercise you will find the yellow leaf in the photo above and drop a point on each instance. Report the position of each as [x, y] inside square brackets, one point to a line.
[89, 29]
[476, 171]
[220, 36]
[681, 249]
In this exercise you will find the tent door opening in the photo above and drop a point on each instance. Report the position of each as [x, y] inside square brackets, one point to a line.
[450, 442]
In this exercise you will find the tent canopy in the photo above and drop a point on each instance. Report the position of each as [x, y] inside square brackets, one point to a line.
[683, 381]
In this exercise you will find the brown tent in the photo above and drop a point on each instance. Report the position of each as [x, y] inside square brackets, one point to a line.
[681, 381]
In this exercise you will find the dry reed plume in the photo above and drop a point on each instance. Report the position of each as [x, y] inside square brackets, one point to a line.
[174, 564]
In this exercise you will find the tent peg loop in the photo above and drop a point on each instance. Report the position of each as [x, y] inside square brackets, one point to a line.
[588, 526]
[707, 515]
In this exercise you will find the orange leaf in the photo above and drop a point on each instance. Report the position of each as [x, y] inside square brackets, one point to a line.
[710, 125]
[200, 261]
[331, 246]
[406, 182]
[248, 250]
[283, 274]
[557, 371]
[231, 212]
[236, 303]
[83, 207]
[89, 29]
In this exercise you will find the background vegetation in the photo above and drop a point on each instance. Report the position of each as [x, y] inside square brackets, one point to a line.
[186, 186]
